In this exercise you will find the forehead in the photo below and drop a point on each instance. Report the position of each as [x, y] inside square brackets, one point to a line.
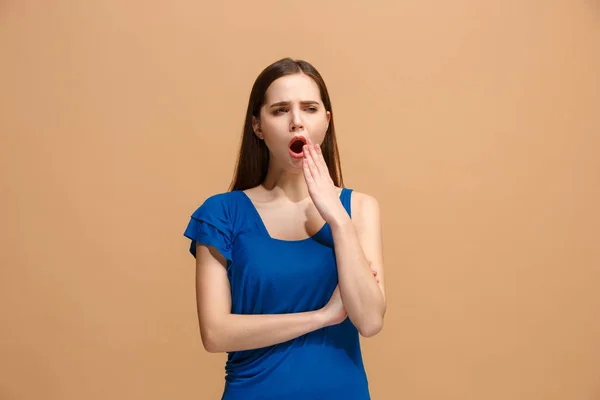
[296, 87]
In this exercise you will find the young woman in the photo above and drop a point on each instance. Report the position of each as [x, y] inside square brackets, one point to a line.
[289, 262]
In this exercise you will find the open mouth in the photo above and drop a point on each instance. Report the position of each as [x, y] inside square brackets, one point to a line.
[297, 144]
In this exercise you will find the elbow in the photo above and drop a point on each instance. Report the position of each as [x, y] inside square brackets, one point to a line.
[211, 342]
[371, 328]
[211, 346]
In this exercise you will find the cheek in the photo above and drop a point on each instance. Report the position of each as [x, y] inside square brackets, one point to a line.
[275, 132]
[274, 126]
[318, 127]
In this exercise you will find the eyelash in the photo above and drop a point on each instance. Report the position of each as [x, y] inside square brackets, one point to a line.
[312, 109]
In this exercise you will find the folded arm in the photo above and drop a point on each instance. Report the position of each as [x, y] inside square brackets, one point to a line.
[222, 331]
[358, 250]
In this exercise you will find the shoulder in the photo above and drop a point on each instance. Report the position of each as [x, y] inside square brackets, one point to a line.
[368, 225]
[366, 209]
[221, 204]
[212, 224]
[364, 203]
[220, 198]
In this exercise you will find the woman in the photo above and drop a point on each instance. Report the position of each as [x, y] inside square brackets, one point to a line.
[288, 262]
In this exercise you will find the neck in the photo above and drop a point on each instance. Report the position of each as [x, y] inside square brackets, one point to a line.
[286, 184]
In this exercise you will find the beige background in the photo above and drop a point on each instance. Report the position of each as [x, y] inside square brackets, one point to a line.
[475, 124]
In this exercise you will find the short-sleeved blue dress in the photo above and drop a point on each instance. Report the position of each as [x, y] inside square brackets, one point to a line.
[274, 276]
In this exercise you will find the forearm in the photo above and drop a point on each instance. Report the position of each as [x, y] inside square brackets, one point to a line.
[236, 332]
[363, 300]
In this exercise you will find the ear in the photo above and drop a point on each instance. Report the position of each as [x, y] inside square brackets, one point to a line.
[328, 118]
[256, 127]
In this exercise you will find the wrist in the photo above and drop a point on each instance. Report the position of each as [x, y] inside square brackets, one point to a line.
[341, 221]
[320, 318]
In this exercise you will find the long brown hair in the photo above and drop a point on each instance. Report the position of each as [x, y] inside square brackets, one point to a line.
[253, 160]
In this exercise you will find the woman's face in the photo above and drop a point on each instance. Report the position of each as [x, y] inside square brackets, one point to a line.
[293, 110]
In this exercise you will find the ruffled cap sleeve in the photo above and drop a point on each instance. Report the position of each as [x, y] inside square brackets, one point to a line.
[211, 225]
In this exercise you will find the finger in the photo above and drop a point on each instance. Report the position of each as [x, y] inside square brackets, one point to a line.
[313, 155]
[307, 173]
[311, 162]
[306, 167]
[308, 178]
[306, 151]
[320, 157]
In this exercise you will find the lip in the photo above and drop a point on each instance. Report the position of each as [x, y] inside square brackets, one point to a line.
[299, 137]
[296, 155]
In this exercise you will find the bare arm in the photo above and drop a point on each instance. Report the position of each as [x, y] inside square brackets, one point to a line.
[358, 249]
[222, 331]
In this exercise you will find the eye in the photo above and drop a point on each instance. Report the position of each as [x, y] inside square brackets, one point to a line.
[279, 111]
[311, 109]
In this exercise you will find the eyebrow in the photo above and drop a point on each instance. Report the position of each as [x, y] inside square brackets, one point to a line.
[287, 103]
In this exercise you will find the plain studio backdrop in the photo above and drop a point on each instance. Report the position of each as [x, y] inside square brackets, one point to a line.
[474, 123]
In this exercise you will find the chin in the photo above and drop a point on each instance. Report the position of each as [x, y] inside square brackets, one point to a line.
[295, 166]
[286, 162]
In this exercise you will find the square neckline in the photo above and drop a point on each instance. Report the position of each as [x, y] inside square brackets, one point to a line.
[263, 227]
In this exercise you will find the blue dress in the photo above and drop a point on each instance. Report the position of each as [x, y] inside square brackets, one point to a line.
[274, 276]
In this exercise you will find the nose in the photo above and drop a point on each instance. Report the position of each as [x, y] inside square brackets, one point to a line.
[296, 123]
